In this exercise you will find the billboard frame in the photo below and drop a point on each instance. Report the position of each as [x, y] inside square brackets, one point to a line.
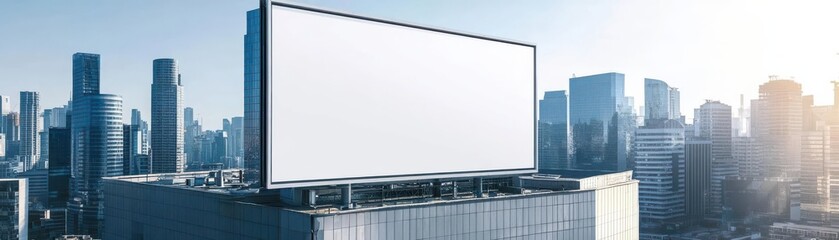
[265, 10]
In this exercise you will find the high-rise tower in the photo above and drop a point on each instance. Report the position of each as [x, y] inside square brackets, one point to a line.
[252, 129]
[167, 128]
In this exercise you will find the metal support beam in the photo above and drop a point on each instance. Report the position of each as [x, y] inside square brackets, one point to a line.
[478, 187]
[346, 196]
[436, 192]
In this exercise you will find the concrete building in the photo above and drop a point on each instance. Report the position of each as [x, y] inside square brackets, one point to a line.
[553, 131]
[14, 208]
[660, 168]
[167, 116]
[214, 205]
[776, 126]
[746, 155]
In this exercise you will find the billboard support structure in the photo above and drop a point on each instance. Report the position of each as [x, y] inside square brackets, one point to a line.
[523, 63]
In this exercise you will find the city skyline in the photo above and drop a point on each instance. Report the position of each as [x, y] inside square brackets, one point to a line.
[646, 47]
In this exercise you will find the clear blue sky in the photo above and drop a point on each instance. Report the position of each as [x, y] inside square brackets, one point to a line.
[708, 49]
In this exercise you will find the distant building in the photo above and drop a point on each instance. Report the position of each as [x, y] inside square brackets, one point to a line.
[553, 131]
[593, 206]
[38, 187]
[660, 169]
[252, 118]
[95, 145]
[776, 126]
[745, 153]
[815, 161]
[764, 199]
[29, 121]
[713, 123]
[5, 105]
[167, 129]
[59, 168]
[132, 146]
[600, 131]
[14, 209]
[137, 119]
[96, 141]
[236, 141]
[697, 180]
[788, 231]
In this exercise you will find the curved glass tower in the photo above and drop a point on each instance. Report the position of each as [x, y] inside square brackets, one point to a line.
[167, 118]
[97, 153]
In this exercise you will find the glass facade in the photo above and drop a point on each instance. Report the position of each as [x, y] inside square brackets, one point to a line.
[656, 100]
[252, 129]
[167, 129]
[97, 145]
[553, 131]
[600, 128]
[697, 180]
[85, 74]
[14, 209]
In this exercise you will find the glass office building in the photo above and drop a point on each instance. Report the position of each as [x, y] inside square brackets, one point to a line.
[252, 98]
[601, 128]
[97, 145]
[167, 116]
[553, 131]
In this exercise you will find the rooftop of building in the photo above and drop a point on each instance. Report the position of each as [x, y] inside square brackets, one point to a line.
[228, 183]
[789, 225]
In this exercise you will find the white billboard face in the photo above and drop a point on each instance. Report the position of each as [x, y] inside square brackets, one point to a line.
[353, 100]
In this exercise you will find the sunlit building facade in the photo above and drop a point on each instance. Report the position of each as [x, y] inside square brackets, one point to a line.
[600, 137]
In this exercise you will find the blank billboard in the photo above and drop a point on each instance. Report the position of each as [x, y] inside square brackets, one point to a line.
[352, 100]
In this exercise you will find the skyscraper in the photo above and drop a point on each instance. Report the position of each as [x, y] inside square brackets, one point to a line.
[167, 128]
[713, 122]
[97, 152]
[675, 104]
[96, 145]
[12, 128]
[697, 180]
[85, 74]
[252, 119]
[236, 140]
[660, 168]
[776, 126]
[553, 131]
[656, 100]
[191, 131]
[599, 129]
[29, 118]
[59, 168]
[137, 119]
[815, 160]
[132, 146]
